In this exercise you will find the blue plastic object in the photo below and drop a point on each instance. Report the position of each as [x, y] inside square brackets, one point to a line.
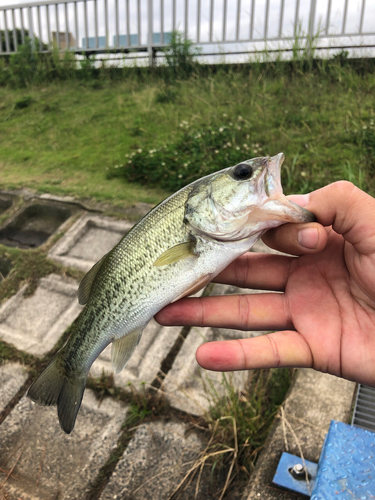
[284, 478]
[346, 469]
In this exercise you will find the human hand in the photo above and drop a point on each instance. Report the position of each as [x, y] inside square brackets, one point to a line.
[325, 319]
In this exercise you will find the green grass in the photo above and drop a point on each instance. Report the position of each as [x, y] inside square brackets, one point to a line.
[66, 137]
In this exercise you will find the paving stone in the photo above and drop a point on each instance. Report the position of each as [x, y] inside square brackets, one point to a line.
[153, 464]
[190, 388]
[187, 385]
[313, 401]
[50, 464]
[144, 365]
[12, 377]
[34, 324]
[88, 240]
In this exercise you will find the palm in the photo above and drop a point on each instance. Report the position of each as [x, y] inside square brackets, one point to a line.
[331, 305]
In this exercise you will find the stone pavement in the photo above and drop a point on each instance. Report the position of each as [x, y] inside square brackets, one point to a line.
[37, 460]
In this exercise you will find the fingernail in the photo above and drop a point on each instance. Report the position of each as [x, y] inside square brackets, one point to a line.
[301, 199]
[308, 238]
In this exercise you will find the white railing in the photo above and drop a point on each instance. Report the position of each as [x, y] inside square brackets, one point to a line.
[110, 26]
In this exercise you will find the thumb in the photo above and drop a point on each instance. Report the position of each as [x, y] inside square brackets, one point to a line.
[350, 211]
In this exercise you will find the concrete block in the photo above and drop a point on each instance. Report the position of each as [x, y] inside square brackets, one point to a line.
[313, 401]
[12, 377]
[49, 463]
[153, 464]
[144, 365]
[91, 237]
[190, 388]
[34, 324]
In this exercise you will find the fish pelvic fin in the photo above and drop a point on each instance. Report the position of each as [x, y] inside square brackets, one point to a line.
[55, 387]
[123, 348]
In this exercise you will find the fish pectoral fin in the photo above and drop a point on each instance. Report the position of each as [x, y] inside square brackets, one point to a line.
[195, 287]
[86, 284]
[176, 253]
[123, 348]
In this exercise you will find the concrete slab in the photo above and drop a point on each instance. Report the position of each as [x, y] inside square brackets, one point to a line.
[155, 461]
[190, 388]
[313, 401]
[34, 324]
[144, 365]
[91, 237]
[50, 464]
[12, 377]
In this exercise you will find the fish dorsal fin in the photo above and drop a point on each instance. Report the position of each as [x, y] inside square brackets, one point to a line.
[86, 284]
[123, 348]
[176, 253]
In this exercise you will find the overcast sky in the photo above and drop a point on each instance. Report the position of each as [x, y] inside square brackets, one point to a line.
[335, 24]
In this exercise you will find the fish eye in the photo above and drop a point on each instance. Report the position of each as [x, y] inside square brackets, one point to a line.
[242, 172]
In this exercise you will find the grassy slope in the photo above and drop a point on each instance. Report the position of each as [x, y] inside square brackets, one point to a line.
[72, 132]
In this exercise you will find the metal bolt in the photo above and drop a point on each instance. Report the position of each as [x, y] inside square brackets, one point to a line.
[298, 471]
[298, 468]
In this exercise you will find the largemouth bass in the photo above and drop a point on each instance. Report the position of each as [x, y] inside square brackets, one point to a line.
[174, 251]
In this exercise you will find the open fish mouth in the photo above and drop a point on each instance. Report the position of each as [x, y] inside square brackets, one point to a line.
[276, 206]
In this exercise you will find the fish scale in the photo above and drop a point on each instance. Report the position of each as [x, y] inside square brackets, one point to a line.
[176, 249]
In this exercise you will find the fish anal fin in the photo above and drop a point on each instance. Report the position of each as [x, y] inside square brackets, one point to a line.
[86, 284]
[123, 348]
[195, 287]
[176, 253]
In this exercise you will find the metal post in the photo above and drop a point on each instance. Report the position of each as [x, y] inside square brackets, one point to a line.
[139, 23]
[39, 29]
[186, 17]
[96, 23]
[238, 19]
[86, 28]
[344, 18]
[281, 18]
[48, 25]
[252, 19]
[199, 21]
[362, 14]
[127, 23]
[296, 20]
[57, 26]
[76, 23]
[117, 24]
[6, 31]
[67, 41]
[106, 23]
[22, 28]
[310, 37]
[150, 35]
[31, 26]
[174, 15]
[225, 20]
[162, 22]
[211, 18]
[266, 19]
[1, 42]
[15, 41]
[328, 20]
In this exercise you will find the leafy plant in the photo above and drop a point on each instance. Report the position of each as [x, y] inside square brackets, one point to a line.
[180, 55]
[194, 153]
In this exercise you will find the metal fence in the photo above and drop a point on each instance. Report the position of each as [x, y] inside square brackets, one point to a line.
[112, 26]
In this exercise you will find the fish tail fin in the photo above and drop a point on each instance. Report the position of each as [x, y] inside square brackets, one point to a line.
[57, 387]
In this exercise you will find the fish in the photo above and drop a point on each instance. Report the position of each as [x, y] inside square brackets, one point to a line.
[173, 251]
